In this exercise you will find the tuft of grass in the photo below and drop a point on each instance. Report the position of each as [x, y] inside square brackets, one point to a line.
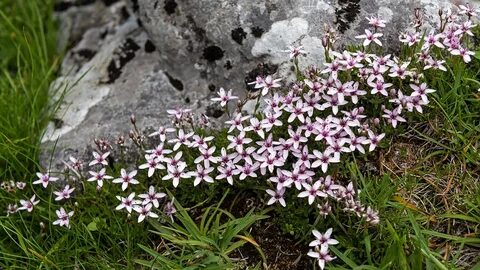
[28, 61]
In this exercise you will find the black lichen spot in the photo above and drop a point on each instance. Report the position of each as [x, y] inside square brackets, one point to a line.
[346, 13]
[135, 5]
[149, 46]
[187, 100]
[228, 65]
[104, 34]
[170, 6]
[261, 70]
[125, 14]
[155, 6]
[109, 2]
[126, 53]
[212, 87]
[86, 53]
[213, 53]
[239, 35]
[62, 6]
[57, 123]
[175, 82]
[257, 31]
[214, 110]
[139, 22]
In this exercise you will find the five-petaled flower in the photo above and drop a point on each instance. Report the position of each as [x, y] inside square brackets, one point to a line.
[126, 178]
[44, 179]
[63, 217]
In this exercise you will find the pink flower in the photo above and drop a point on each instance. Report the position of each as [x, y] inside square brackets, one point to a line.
[247, 170]
[206, 155]
[312, 191]
[277, 196]
[63, 217]
[297, 112]
[176, 173]
[28, 205]
[159, 152]
[295, 51]
[182, 139]
[152, 164]
[127, 202]
[464, 53]
[227, 172]
[99, 159]
[323, 239]
[281, 179]
[421, 91]
[162, 133]
[224, 97]
[269, 83]
[369, 37]
[126, 179]
[393, 117]
[322, 255]
[373, 140]
[433, 39]
[144, 211]
[99, 177]
[376, 22]
[379, 87]
[64, 193]
[152, 197]
[468, 10]
[323, 159]
[238, 141]
[410, 38]
[44, 179]
[236, 123]
[201, 174]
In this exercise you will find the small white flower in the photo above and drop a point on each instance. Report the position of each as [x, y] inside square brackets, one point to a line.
[44, 179]
[127, 178]
[127, 202]
[28, 205]
[64, 193]
[63, 217]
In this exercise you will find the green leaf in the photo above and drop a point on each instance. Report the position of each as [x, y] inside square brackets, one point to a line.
[92, 226]
[343, 257]
[477, 55]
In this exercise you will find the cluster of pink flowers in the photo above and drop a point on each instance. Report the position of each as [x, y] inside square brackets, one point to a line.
[301, 132]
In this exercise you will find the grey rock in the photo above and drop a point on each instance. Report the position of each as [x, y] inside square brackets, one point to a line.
[111, 72]
[222, 42]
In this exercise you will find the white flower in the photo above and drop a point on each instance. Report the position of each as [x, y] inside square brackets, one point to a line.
[28, 205]
[63, 217]
[144, 211]
[99, 177]
[64, 193]
[44, 179]
[152, 197]
[99, 159]
[224, 97]
[126, 179]
[127, 202]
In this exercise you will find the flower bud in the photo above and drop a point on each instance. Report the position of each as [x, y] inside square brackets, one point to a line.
[133, 119]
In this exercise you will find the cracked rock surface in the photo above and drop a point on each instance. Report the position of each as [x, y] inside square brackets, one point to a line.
[111, 70]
